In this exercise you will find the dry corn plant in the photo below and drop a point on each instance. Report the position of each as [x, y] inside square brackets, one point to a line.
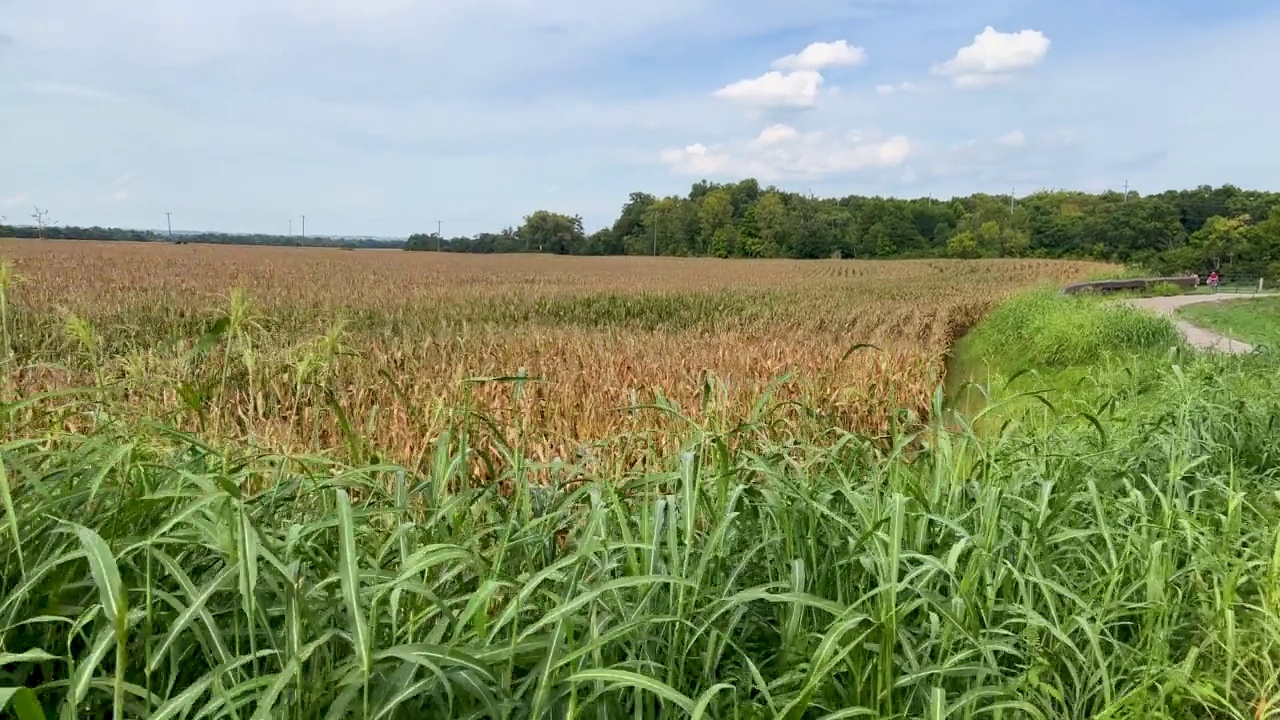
[313, 349]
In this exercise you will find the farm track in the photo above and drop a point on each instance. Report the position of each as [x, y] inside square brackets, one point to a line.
[1196, 336]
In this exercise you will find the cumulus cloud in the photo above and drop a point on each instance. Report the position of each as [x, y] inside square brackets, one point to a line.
[774, 89]
[994, 57]
[781, 151]
[822, 55]
[795, 80]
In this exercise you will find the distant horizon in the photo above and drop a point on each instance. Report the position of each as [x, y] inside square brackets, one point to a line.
[1126, 189]
[176, 231]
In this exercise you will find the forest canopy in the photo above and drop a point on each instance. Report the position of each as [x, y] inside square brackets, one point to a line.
[1226, 228]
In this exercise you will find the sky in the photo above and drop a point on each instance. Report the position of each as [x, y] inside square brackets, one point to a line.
[384, 117]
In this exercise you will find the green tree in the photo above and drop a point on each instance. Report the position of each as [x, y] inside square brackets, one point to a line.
[1136, 230]
[964, 244]
[422, 241]
[743, 195]
[1219, 240]
[1014, 242]
[629, 228]
[715, 218]
[723, 242]
[1266, 236]
[665, 230]
[774, 227]
[551, 232]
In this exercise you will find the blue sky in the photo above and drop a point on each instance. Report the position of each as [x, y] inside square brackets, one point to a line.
[383, 116]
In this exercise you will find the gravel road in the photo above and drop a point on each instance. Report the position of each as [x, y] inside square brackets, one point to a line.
[1197, 336]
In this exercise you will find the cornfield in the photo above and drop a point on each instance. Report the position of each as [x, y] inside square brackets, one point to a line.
[297, 349]
[249, 483]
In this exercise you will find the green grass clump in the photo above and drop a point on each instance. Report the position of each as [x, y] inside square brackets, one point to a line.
[1121, 272]
[1046, 329]
[1254, 321]
[1164, 289]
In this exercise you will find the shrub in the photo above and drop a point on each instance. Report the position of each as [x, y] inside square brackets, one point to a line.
[1047, 329]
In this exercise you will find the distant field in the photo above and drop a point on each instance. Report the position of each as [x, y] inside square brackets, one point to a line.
[391, 339]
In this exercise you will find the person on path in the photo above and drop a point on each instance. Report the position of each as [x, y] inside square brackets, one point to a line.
[1213, 281]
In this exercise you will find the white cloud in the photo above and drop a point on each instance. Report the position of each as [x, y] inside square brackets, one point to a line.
[122, 194]
[1013, 139]
[795, 80]
[978, 80]
[891, 89]
[14, 200]
[994, 57]
[781, 151]
[774, 89]
[821, 55]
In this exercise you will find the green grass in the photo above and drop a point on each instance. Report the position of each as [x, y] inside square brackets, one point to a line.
[1044, 341]
[1112, 554]
[1255, 321]
[1045, 329]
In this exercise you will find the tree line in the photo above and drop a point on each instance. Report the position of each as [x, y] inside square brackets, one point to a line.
[72, 232]
[1229, 229]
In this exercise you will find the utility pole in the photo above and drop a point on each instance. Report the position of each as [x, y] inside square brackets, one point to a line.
[168, 219]
[1126, 191]
[1012, 193]
[42, 218]
[290, 226]
[304, 227]
[439, 235]
[655, 237]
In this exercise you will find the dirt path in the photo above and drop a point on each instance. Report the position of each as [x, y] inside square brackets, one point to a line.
[1197, 336]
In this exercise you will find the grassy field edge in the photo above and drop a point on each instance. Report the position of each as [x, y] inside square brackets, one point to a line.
[1255, 321]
